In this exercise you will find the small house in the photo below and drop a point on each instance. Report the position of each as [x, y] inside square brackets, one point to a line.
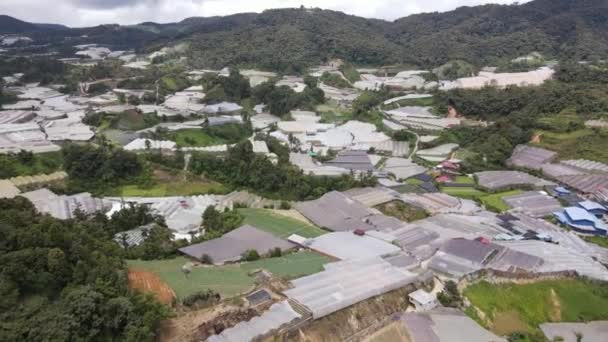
[422, 300]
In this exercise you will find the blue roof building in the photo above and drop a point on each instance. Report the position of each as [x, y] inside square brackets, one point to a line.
[582, 221]
[562, 190]
[594, 208]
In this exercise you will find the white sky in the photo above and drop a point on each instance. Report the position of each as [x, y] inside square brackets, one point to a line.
[95, 12]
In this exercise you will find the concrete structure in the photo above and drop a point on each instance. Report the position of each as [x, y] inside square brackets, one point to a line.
[422, 300]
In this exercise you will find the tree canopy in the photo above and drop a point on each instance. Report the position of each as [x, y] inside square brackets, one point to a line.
[66, 280]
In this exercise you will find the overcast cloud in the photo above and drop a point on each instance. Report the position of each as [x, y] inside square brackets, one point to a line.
[95, 12]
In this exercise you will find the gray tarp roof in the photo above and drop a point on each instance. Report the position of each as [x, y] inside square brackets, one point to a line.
[335, 211]
[232, 245]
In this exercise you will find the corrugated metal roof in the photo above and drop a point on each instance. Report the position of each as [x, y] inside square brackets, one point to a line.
[346, 283]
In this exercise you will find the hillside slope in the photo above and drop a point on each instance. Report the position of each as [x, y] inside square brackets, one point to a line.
[286, 39]
[291, 39]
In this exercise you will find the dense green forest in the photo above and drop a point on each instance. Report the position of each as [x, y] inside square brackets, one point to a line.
[241, 168]
[558, 107]
[289, 40]
[66, 281]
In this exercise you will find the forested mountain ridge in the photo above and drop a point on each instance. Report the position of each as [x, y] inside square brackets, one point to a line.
[483, 34]
[291, 39]
[280, 39]
[10, 25]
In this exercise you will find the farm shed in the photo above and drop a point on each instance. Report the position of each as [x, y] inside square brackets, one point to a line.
[345, 283]
[533, 203]
[335, 211]
[495, 180]
[232, 245]
[530, 157]
[349, 246]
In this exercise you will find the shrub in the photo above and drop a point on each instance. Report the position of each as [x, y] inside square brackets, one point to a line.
[201, 298]
[275, 252]
[450, 297]
[285, 205]
[250, 255]
[206, 259]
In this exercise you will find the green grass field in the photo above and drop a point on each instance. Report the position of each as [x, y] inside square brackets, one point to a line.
[279, 225]
[40, 163]
[196, 137]
[598, 240]
[464, 180]
[580, 144]
[495, 202]
[413, 181]
[513, 307]
[171, 184]
[226, 280]
[331, 112]
[463, 192]
[185, 188]
[229, 280]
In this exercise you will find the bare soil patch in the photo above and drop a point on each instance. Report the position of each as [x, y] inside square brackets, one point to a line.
[149, 282]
